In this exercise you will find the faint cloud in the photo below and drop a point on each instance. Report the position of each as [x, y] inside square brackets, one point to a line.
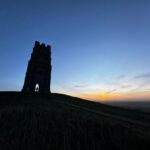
[111, 91]
[125, 86]
[80, 86]
[120, 77]
[144, 75]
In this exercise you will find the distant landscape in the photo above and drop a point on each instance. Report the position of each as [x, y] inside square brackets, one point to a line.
[139, 105]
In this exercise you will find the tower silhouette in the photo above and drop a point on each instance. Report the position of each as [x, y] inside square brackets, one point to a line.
[38, 75]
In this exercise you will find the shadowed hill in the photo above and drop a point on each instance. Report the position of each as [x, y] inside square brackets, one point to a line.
[44, 121]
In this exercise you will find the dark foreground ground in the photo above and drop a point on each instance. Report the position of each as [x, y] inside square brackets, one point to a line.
[45, 122]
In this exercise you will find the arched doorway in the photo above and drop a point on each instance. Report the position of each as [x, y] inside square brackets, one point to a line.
[37, 87]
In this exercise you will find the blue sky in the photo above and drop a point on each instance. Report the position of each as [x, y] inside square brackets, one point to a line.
[100, 48]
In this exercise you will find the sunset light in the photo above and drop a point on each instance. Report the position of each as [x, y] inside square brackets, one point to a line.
[74, 74]
[100, 50]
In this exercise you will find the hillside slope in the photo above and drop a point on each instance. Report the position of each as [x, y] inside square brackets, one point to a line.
[39, 122]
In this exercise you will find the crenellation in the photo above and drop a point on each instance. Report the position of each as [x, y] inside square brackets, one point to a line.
[48, 47]
[37, 43]
[43, 45]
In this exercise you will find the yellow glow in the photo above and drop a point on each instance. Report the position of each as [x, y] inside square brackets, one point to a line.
[103, 96]
[98, 95]
[133, 95]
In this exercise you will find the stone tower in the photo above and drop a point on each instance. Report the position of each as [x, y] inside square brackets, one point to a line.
[38, 75]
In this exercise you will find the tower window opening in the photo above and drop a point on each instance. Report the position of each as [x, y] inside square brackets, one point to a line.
[37, 87]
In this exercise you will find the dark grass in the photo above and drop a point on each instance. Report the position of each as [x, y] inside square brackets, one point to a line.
[41, 122]
[124, 112]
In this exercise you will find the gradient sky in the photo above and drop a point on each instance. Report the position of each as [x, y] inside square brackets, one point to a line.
[100, 48]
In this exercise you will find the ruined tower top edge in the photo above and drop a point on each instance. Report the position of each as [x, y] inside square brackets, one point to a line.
[37, 44]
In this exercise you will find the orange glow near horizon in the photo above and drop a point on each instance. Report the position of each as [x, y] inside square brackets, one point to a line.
[102, 96]
[107, 96]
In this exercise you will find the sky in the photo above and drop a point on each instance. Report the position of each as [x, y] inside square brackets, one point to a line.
[100, 48]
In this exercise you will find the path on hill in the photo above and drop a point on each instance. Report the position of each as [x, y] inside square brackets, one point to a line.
[135, 122]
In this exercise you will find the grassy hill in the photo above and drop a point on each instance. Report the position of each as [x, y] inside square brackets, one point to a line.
[50, 122]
